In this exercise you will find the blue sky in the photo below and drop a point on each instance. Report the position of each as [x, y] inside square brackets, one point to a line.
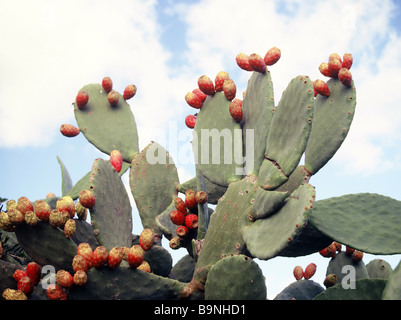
[52, 48]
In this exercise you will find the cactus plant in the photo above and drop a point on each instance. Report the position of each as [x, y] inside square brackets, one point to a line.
[260, 200]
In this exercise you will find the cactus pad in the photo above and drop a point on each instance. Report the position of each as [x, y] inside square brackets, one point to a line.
[235, 277]
[108, 127]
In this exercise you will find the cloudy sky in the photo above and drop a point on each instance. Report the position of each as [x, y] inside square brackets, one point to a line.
[50, 49]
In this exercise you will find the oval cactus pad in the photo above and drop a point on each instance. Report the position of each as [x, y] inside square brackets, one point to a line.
[108, 127]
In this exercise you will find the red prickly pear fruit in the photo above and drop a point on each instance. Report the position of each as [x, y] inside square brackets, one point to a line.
[16, 217]
[12, 294]
[180, 205]
[219, 81]
[349, 251]
[309, 271]
[357, 256]
[321, 88]
[87, 199]
[338, 246]
[242, 60]
[70, 228]
[107, 84]
[80, 278]
[272, 56]
[345, 77]
[335, 56]
[329, 251]
[200, 94]
[79, 263]
[324, 69]
[18, 274]
[177, 217]
[257, 63]
[298, 273]
[201, 197]
[55, 292]
[85, 250]
[100, 256]
[190, 200]
[330, 280]
[146, 239]
[42, 210]
[144, 266]
[116, 160]
[182, 231]
[334, 67]
[190, 121]
[347, 60]
[191, 221]
[115, 257]
[129, 91]
[136, 256]
[26, 285]
[68, 130]
[206, 85]
[175, 243]
[82, 99]
[24, 205]
[229, 89]
[113, 97]
[33, 271]
[64, 279]
[235, 109]
[193, 100]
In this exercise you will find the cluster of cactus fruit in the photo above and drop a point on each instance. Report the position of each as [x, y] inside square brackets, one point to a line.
[251, 198]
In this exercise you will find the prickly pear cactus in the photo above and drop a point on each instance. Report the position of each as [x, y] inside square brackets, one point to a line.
[251, 198]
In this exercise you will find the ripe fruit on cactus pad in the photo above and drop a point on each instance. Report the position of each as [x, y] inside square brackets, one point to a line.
[68, 130]
[116, 160]
[26, 285]
[64, 279]
[33, 271]
[129, 91]
[190, 200]
[113, 97]
[177, 217]
[272, 56]
[136, 256]
[298, 272]
[229, 89]
[321, 88]
[100, 256]
[115, 257]
[55, 292]
[235, 109]
[206, 85]
[193, 100]
[257, 63]
[190, 121]
[87, 199]
[309, 271]
[219, 81]
[107, 84]
[191, 221]
[345, 77]
[82, 99]
[242, 60]
[146, 239]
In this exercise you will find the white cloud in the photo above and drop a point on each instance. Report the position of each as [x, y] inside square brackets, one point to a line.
[54, 48]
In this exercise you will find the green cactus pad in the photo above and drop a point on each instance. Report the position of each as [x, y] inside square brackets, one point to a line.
[258, 110]
[108, 127]
[341, 260]
[7, 270]
[217, 142]
[308, 242]
[392, 290]
[84, 233]
[125, 283]
[270, 176]
[66, 182]
[265, 238]
[83, 183]
[111, 217]
[236, 277]
[160, 260]
[300, 290]
[153, 181]
[379, 269]
[331, 124]
[365, 289]
[184, 269]
[214, 191]
[291, 125]
[365, 221]
[224, 236]
[267, 203]
[47, 245]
